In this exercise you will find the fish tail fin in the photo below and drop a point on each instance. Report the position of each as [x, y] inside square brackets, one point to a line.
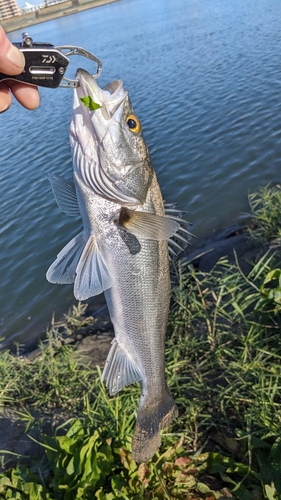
[81, 262]
[152, 417]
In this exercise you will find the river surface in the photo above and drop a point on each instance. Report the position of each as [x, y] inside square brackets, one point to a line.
[204, 78]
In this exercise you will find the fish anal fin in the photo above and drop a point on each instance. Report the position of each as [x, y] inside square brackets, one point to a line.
[119, 370]
[146, 225]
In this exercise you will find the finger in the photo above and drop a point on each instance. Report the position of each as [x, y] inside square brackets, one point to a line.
[12, 60]
[26, 95]
[5, 98]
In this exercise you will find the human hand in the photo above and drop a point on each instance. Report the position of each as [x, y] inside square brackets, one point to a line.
[12, 63]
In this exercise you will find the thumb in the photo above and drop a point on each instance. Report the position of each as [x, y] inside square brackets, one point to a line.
[11, 59]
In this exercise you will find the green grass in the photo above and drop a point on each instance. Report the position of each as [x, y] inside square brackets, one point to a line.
[54, 379]
[228, 332]
[266, 208]
[223, 354]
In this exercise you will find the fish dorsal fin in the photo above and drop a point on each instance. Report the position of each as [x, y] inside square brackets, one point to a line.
[65, 194]
[146, 225]
[81, 262]
[92, 274]
[180, 239]
[119, 369]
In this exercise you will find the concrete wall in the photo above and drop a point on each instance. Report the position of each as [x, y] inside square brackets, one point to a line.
[54, 9]
[51, 12]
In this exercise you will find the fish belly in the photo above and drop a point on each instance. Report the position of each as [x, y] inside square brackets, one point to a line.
[138, 303]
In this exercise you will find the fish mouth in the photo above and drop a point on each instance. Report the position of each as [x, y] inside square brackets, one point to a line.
[109, 98]
[95, 137]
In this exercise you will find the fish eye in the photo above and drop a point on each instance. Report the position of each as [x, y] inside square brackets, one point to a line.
[133, 124]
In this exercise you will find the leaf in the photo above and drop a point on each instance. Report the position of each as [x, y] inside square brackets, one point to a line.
[182, 461]
[65, 443]
[90, 103]
[229, 443]
[70, 469]
[34, 490]
[270, 492]
[272, 276]
[276, 466]
[143, 472]
[203, 488]
[76, 429]
[4, 481]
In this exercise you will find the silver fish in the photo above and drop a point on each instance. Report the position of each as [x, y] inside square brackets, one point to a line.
[122, 250]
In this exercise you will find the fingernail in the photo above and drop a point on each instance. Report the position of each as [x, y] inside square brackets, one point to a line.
[16, 57]
[5, 107]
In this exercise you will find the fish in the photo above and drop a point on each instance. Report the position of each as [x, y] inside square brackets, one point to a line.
[122, 250]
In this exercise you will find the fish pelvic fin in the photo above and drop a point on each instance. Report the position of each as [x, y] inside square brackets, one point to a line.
[152, 417]
[92, 274]
[81, 262]
[119, 370]
[63, 270]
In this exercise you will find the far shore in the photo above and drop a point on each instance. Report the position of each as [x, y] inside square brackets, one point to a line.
[49, 13]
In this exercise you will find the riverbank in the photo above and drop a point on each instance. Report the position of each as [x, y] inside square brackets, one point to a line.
[49, 13]
[223, 356]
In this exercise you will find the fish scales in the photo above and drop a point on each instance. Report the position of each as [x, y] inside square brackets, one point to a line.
[122, 250]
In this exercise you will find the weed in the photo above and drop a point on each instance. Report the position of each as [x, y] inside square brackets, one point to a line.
[266, 208]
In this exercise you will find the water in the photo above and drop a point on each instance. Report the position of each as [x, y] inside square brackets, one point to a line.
[204, 78]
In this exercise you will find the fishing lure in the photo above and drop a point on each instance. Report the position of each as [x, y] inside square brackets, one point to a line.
[46, 64]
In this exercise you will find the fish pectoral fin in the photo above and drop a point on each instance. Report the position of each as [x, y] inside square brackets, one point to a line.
[92, 274]
[119, 369]
[65, 194]
[63, 270]
[148, 226]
